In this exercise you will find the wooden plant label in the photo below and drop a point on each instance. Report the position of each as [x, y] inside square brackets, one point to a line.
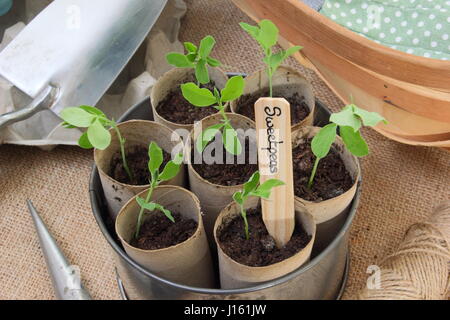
[273, 130]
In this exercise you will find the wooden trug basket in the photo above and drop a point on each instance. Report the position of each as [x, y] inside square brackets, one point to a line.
[411, 92]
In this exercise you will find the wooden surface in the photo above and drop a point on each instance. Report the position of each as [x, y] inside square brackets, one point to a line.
[273, 130]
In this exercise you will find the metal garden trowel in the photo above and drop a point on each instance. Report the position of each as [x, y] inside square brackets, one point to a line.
[73, 50]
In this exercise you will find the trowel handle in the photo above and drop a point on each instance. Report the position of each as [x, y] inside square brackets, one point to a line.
[43, 101]
[66, 281]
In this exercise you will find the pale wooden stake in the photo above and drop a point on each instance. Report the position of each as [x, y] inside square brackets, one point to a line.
[273, 130]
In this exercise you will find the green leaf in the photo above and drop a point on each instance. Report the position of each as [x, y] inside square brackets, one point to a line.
[84, 142]
[178, 60]
[94, 111]
[156, 157]
[192, 57]
[237, 196]
[354, 142]
[77, 117]
[275, 60]
[171, 169]
[98, 136]
[322, 142]
[166, 212]
[190, 47]
[268, 35]
[261, 194]
[67, 125]
[178, 159]
[97, 112]
[206, 46]
[199, 97]
[213, 62]
[201, 72]
[231, 140]
[251, 30]
[207, 136]
[289, 52]
[234, 88]
[269, 185]
[370, 119]
[346, 118]
[150, 206]
[252, 183]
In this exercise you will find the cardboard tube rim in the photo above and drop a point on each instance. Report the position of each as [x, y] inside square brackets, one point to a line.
[261, 75]
[188, 148]
[226, 211]
[143, 193]
[126, 123]
[310, 131]
[171, 73]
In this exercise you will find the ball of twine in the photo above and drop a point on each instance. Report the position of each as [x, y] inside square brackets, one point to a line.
[420, 268]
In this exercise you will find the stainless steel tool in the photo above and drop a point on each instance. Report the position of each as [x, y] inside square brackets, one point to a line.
[65, 278]
[73, 50]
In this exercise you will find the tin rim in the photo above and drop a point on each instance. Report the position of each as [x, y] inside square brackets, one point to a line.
[124, 294]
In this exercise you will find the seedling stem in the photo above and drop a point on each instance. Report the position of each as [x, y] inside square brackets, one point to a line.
[141, 212]
[313, 174]
[122, 149]
[253, 189]
[156, 178]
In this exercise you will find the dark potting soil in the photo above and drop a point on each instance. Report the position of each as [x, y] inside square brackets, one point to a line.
[299, 108]
[226, 174]
[158, 232]
[260, 250]
[137, 159]
[332, 178]
[177, 109]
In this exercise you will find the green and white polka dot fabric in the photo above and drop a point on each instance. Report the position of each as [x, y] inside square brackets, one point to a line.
[419, 27]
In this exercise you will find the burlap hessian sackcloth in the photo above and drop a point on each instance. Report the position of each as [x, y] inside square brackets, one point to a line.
[401, 185]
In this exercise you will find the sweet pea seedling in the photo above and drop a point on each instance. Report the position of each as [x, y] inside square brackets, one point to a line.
[197, 58]
[169, 172]
[97, 135]
[266, 34]
[252, 188]
[202, 97]
[349, 120]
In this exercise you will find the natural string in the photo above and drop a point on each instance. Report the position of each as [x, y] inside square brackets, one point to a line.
[419, 269]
